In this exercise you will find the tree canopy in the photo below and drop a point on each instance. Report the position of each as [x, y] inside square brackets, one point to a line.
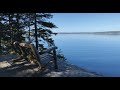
[25, 26]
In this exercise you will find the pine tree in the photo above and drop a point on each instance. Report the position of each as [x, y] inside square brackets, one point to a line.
[39, 28]
[32, 25]
[42, 28]
[11, 28]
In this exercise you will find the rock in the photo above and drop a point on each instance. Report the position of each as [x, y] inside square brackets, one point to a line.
[25, 69]
[4, 64]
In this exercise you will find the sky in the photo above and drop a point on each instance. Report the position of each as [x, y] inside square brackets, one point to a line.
[86, 22]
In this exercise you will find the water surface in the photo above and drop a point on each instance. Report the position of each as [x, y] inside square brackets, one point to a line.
[96, 53]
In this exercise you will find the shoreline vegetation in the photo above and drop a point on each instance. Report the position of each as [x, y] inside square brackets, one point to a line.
[94, 33]
[24, 69]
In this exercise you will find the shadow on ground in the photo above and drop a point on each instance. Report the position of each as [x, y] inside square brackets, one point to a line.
[18, 69]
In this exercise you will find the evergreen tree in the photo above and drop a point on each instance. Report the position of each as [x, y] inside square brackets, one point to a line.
[11, 28]
[14, 27]
[39, 28]
[43, 28]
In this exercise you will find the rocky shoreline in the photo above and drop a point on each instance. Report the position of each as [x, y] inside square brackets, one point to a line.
[25, 69]
[68, 70]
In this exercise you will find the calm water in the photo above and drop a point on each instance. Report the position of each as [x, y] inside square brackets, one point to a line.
[97, 53]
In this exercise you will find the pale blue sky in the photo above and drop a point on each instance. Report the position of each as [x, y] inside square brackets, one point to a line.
[86, 22]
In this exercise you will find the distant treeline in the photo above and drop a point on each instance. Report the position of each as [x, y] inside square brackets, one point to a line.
[99, 33]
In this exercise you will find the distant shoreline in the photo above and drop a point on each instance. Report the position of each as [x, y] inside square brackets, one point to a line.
[96, 33]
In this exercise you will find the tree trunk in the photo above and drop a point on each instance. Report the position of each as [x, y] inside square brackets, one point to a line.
[10, 28]
[0, 44]
[29, 27]
[36, 38]
[17, 18]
